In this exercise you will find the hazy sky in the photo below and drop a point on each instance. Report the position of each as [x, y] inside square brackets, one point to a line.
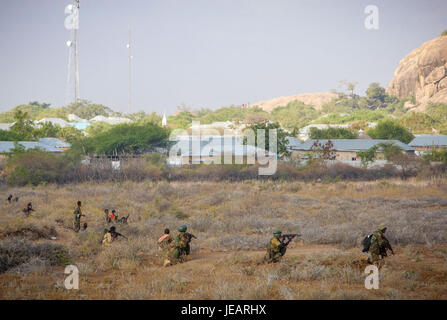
[206, 53]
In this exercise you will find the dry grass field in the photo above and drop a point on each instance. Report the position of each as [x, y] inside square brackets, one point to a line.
[233, 222]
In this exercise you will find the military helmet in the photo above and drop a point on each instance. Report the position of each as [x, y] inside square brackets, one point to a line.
[182, 228]
[112, 228]
[277, 232]
[381, 227]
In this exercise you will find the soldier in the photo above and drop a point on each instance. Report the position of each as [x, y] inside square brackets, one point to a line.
[77, 217]
[379, 245]
[111, 236]
[28, 209]
[113, 216]
[10, 198]
[123, 220]
[165, 240]
[182, 244]
[106, 215]
[275, 248]
[165, 244]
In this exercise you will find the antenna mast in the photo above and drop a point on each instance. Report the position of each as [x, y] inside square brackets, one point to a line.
[73, 65]
[129, 47]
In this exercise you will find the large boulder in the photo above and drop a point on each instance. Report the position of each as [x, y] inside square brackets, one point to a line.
[422, 73]
[317, 100]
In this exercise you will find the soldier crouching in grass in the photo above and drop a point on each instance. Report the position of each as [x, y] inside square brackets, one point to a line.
[110, 236]
[275, 249]
[277, 246]
[182, 245]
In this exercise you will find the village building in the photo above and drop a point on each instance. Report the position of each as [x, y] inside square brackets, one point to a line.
[424, 143]
[54, 121]
[207, 149]
[52, 145]
[343, 149]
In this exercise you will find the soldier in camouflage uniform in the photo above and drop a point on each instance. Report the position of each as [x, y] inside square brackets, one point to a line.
[181, 245]
[379, 245]
[77, 217]
[275, 248]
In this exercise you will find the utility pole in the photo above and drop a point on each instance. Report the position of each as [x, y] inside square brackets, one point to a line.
[129, 47]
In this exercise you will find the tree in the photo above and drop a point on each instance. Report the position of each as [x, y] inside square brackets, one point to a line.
[47, 129]
[367, 156]
[323, 151]
[22, 128]
[331, 133]
[418, 122]
[376, 95]
[127, 138]
[436, 155]
[294, 115]
[444, 33]
[281, 144]
[390, 150]
[390, 130]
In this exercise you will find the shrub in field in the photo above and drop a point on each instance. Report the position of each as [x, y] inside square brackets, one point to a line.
[35, 167]
[14, 253]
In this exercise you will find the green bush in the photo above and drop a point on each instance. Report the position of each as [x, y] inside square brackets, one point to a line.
[390, 130]
[34, 167]
[127, 138]
[331, 133]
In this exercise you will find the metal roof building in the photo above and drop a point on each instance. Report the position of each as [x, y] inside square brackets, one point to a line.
[429, 140]
[45, 144]
[213, 145]
[349, 144]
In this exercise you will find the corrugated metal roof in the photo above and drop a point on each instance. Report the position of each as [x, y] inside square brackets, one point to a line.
[293, 142]
[6, 146]
[55, 142]
[352, 144]
[429, 140]
[211, 146]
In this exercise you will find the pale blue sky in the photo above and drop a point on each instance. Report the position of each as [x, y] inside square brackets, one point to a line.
[206, 53]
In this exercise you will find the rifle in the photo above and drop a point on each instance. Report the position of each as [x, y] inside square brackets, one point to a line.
[385, 247]
[286, 238]
[119, 234]
[189, 236]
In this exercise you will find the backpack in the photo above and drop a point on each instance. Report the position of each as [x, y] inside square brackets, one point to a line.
[366, 243]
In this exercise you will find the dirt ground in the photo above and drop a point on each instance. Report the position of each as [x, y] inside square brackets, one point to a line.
[233, 223]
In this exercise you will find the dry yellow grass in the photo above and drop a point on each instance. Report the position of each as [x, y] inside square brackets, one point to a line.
[233, 222]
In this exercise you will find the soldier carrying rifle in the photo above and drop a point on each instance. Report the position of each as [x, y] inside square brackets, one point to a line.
[277, 246]
[182, 244]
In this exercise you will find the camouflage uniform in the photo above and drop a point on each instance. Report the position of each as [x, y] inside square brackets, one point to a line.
[181, 247]
[275, 249]
[379, 245]
[77, 219]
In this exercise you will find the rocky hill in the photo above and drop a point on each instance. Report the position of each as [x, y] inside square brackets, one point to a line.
[314, 99]
[422, 73]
